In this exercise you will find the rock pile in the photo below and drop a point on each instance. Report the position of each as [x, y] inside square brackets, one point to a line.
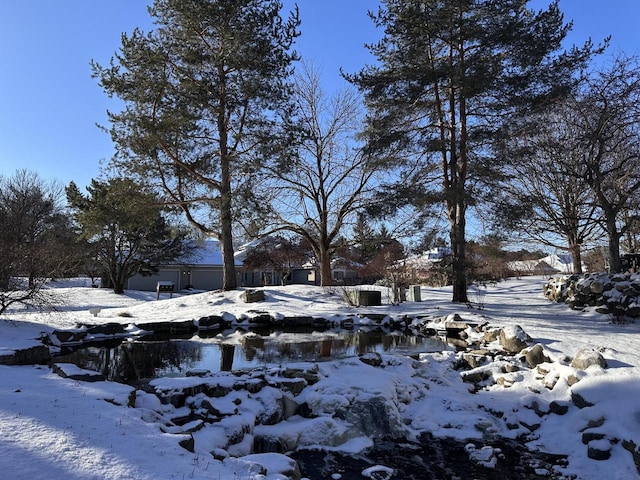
[507, 357]
[617, 295]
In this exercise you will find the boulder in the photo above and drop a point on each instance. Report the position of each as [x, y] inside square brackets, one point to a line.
[585, 358]
[374, 418]
[275, 465]
[514, 339]
[535, 356]
[71, 371]
[36, 355]
[599, 449]
[372, 358]
[250, 296]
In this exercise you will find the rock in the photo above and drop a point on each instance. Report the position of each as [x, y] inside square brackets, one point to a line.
[585, 358]
[514, 339]
[599, 449]
[276, 465]
[374, 418]
[579, 401]
[572, 379]
[36, 355]
[504, 382]
[293, 385]
[474, 360]
[475, 376]
[535, 356]
[596, 287]
[597, 423]
[590, 436]
[559, 408]
[491, 335]
[372, 358]
[110, 328]
[69, 337]
[188, 444]
[251, 296]
[632, 448]
[71, 371]
[310, 374]
[211, 321]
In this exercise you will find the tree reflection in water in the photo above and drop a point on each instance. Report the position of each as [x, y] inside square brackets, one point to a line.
[131, 361]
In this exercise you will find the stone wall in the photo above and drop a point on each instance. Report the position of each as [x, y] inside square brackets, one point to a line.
[613, 294]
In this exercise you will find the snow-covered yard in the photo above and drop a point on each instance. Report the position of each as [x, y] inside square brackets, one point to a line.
[53, 427]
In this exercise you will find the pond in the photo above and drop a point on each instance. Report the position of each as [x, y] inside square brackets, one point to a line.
[130, 361]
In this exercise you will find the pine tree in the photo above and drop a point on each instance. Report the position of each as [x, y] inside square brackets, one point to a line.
[449, 74]
[124, 223]
[206, 96]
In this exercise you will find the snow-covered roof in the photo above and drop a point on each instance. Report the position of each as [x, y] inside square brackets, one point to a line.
[562, 263]
[207, 253]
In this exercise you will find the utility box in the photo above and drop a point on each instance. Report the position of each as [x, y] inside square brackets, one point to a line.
[414, 293]
[366, 298]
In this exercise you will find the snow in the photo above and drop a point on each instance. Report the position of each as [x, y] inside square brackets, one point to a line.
[59, 428]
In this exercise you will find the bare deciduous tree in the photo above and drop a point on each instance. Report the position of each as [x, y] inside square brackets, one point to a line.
[609, 109]
[544, 198]
[34, 237]
[330, 179]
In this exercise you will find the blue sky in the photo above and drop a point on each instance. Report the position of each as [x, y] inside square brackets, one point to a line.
[49, 104]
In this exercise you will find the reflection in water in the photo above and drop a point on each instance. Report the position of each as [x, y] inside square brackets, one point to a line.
[131, 361]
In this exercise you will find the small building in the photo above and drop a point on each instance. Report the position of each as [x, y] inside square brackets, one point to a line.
[200, 270]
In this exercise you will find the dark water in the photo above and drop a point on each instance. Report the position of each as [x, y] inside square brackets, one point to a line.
[430, 459]
[130, 361]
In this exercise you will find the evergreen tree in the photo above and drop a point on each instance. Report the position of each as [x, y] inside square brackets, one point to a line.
[449, 75]
[124, 223]
[206, 96]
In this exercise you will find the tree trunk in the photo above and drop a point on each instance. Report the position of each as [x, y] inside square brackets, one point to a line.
[576, 256]
[614, 235]
[459, 262]
[118, 287]
[229, 280]
[117, 280]
[325, 269]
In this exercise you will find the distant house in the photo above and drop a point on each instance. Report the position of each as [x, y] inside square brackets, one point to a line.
[299, 268]
[562, 263]
[200, 270]
[287, 264]
[530, 267]
[421, 264]
[549, 265]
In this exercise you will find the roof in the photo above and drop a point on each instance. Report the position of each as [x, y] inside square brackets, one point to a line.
[206, 253]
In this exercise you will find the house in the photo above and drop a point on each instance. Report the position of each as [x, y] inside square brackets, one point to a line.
[562, 263]
[280, 261]
[200, 270]
[273, 260]
[549, 265]
[530, 267]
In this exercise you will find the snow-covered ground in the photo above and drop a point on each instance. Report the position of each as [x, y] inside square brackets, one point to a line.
[56, 428]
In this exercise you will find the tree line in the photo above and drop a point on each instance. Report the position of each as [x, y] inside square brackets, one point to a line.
[470, 106]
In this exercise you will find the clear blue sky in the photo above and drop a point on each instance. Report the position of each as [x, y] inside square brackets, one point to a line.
[49, 104]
